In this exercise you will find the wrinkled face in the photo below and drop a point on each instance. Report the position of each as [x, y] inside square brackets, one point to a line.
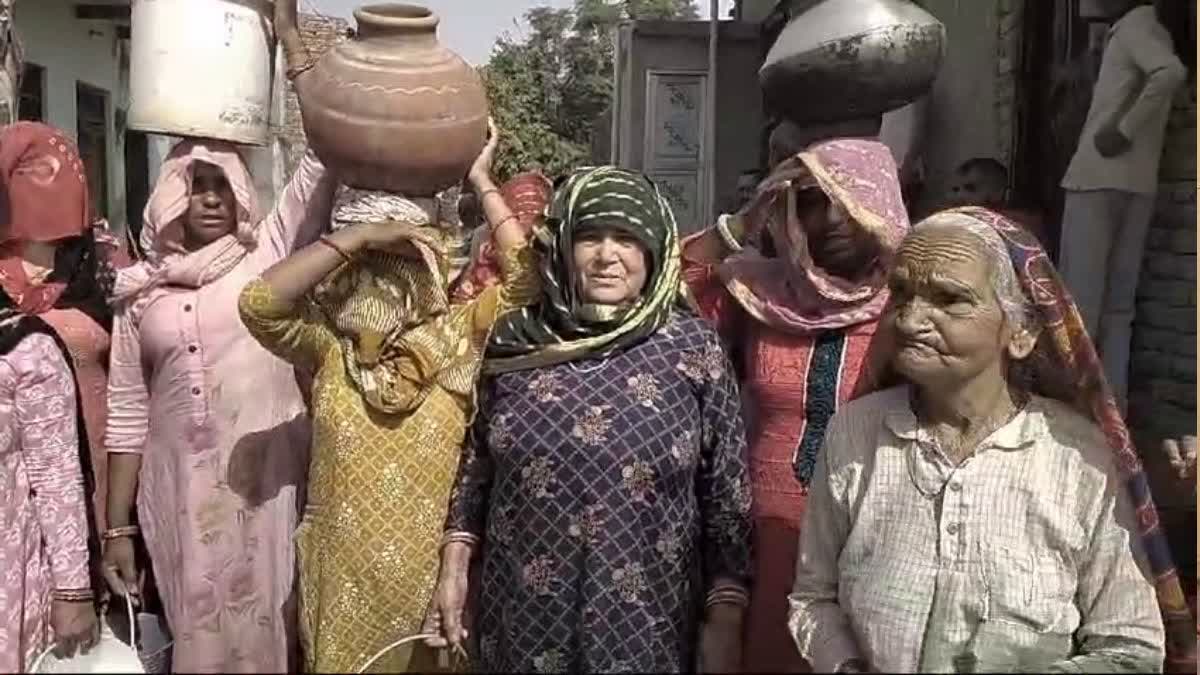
[973, 188]
[212, 209]
[837, 244]
[610, 265]
[948, 324]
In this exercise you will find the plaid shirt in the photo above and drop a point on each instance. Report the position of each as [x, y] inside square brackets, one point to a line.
[1019, 558]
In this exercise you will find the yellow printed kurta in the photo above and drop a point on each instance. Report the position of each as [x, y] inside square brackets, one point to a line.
[378, 484]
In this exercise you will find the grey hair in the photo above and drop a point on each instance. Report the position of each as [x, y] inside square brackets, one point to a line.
[1013, 301]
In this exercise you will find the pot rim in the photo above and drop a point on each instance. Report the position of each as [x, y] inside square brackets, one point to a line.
[402, 15]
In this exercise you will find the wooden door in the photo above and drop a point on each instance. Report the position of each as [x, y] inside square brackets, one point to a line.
[91, 106]
[1059, 63]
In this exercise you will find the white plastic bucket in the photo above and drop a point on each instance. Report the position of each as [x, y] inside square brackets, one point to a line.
[202, 68]
[110, 655]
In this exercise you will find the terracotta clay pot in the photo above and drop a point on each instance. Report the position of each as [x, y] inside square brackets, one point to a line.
[391, 108]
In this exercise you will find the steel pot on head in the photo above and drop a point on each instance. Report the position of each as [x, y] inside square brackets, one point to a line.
[852, 59]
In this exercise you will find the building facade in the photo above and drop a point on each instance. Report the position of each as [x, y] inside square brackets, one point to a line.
[1014, 86]
[76, 78]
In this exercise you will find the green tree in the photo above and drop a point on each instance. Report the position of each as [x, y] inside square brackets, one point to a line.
[549, 89]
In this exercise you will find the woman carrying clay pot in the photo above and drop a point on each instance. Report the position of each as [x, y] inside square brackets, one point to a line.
[395, 361]
[207, 431]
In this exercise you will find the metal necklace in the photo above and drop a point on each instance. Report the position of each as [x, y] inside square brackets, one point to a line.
[931, 439]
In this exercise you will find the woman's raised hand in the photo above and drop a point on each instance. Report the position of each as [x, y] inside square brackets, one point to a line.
[753, 216]
[388, 235]
[1181, 454]
[481, 170]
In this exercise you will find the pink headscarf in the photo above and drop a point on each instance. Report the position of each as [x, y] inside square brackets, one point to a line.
[791, 293]
[46, 201]
[167, 262]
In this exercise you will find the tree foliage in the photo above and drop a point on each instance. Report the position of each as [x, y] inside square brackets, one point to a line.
[549, 90]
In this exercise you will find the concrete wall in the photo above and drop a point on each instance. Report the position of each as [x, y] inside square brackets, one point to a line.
[972, 113]
[754, 11]
[962, 117]
[1009, 43]
[319, 34]
[74, 51]
[1163, 372]
[681, 45]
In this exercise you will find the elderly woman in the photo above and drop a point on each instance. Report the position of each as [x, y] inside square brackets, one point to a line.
[395, 363]
[207, 431]
[798, 324]
[989, 515]
[604, 481]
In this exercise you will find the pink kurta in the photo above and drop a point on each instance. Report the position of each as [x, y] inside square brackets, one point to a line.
[43, 526]
[784, 380]
[88, 343]
[224, 437]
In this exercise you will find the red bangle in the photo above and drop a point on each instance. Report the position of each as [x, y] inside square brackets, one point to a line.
[324, 239]
[505, 219]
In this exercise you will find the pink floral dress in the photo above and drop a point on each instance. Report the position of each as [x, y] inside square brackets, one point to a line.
[43, 521]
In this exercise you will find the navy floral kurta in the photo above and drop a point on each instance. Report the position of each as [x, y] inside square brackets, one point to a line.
[609, 496]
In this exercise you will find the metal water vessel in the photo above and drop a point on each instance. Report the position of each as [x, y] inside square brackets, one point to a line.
[852, 59]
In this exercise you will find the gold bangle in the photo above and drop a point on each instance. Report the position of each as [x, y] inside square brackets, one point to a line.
[727, 237]
[727, 595]
[324, 239]
[459, 538]
[73, 595]
[120, 532]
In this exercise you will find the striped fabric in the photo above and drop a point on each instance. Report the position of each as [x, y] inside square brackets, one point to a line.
[390, 311]
[564, 328]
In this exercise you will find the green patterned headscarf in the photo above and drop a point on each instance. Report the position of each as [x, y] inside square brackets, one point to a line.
[562, 327]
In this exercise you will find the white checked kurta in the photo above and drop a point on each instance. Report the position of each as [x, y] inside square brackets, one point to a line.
[912, 563]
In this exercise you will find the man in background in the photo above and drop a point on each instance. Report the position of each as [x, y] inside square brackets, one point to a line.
[983, 181]
[1112, 179]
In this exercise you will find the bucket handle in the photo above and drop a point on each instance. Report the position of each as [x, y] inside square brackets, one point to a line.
[132, 635]
[398, 643]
